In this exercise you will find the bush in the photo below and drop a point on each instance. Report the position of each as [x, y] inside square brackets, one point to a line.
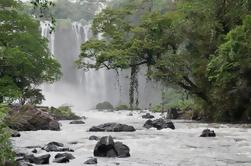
[104, 106]
[6, 153]
[122, 107]
[63, 113]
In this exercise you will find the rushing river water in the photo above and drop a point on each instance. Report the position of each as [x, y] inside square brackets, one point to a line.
[179, 147]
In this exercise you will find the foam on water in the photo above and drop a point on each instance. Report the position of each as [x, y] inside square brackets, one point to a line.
[167, 147]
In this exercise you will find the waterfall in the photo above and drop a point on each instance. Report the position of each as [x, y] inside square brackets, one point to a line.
[81, 89]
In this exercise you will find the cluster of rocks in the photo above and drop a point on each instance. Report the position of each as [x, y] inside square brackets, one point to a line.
[159, 124]
[112, 127]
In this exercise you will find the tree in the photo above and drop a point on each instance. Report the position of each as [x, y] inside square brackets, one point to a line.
[229, 71]
[25, 61]
[175, 42]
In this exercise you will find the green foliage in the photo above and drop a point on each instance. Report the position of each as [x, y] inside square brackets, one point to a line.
[104, 106]
[199, 46]
[63, 113]
[6, 153]
[25, 61]
[229, 71]
[122, 107]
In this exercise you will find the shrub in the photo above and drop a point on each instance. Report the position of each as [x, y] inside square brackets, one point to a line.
[104, 106]
[63, 113]
[6, 153]
[122, 107]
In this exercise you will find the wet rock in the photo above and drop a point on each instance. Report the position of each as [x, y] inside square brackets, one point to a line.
[77, 122]
[93, 137]
[34, 151]
[15, 133]
[121, 149]
[91, 161]
[31, 119]
[32, 147]
[56, 147]
[63, 158]
[147, 116]
[65, 155]
[113, 127]
[44, 159]
[208, 133]
[73, 143]
[159, 124]
[130, 114]
[23, 163]
[107, 148]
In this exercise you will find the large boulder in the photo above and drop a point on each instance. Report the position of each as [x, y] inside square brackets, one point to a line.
[147, 116]
[56, 147]
[208, 133]
[159, 124]
[113, 127]
[106, 147]
[44, 159]
[31, 119]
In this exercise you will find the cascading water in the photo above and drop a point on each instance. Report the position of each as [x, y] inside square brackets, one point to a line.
[81, 89]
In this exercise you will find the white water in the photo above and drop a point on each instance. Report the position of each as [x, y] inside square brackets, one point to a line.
[179, 147]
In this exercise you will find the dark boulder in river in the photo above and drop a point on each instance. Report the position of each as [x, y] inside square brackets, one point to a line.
[77, 122]
[208, 133]
[91, 161]
[44, 159]
[112, 127]
[159, 124]
[147, 116]
[31, 119]
[56, 147]
[106, 147]
[93, 137]
[63, 158]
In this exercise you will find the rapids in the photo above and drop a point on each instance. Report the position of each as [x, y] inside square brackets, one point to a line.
[182, 146]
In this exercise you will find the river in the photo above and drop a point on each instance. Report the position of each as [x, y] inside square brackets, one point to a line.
[149, 147]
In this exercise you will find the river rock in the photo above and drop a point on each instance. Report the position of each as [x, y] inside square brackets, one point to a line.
[113, 127]
[31, 119]
[91, 161]
[208, 133]
[159, 124]
[106, 147]
[56, 147]
[23, 163]
[121, 149]
[66, 155]
[44, 159]
[15, 133]
[63, 158]
[34, 151]
[77, 122]
[93, 137]
[147, 116]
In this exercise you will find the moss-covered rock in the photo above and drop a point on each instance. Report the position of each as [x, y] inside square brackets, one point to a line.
[104, 106]
[63, 113]
[27, 118]
[122, 107]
